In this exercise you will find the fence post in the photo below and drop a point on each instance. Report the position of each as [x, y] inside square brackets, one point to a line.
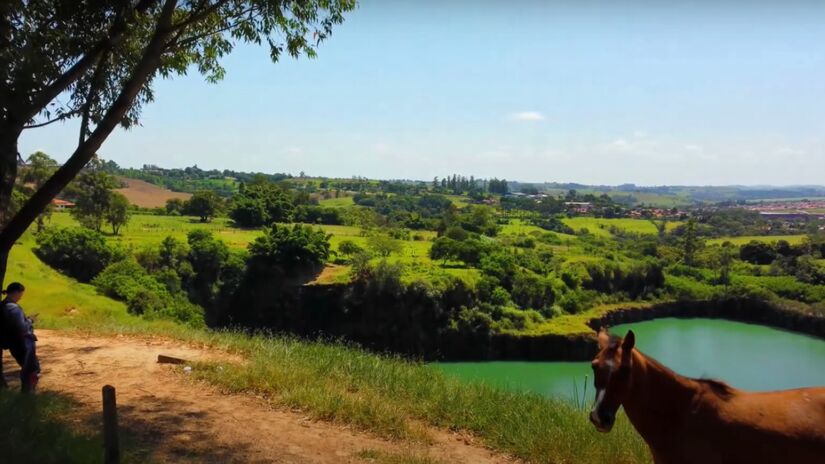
[111, 445]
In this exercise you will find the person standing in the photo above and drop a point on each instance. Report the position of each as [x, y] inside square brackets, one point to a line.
[17, 335]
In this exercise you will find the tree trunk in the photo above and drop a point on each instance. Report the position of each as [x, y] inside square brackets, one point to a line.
[8, 175]
[8, 169]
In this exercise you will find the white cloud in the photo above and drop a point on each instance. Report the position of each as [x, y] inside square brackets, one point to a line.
[693, 147]
[527, 116]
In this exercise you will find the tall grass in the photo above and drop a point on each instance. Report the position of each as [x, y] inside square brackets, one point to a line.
[389, 396]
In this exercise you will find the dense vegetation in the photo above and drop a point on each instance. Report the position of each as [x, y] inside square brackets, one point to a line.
[414, 266]
[418, 270]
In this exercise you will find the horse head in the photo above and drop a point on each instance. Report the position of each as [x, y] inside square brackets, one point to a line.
[611, 377]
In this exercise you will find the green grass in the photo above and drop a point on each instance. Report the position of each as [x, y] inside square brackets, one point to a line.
[340, 202]
[58, 300]
[458, 200]
[601, 227]
[792, 239]
[35, 430]
[389, 396]
[144, 229]
[384, 395]
[406, 457]
[576, 324]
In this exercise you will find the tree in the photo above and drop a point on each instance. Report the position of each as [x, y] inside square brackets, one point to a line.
[725, 260]
[349, 248]
[383, 245]
[175, 206]
[40, 167]
[93, 195]
[102, 57]
[262, 203]
[291, 249]
[117, 214]
[204, 204]
[757, 252]
[690, 243]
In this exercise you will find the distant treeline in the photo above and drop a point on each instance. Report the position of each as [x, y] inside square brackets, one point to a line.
[192, 179]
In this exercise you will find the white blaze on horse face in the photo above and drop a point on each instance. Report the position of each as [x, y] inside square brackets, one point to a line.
[601, 391]
[599, 399]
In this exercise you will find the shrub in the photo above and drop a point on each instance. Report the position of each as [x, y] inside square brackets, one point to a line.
[79, 252]
[125, 279]
[145, 295]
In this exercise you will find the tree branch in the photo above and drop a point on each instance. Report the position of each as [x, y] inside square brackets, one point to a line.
[62, 117]
[116, 33]
[94, 85]
[177, 43]
[195, 17]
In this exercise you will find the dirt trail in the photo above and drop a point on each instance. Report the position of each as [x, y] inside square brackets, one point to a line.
[171, 419]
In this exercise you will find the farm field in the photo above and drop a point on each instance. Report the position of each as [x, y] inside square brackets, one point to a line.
[792, 239]
[601, 226]
[144, 229]
[339, 202]
[146, 195]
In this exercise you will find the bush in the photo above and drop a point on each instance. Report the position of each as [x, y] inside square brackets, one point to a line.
[145, 295]
[79, 252]
[154, 306]
[125, 279]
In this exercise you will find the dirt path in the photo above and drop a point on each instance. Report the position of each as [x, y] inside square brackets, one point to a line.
[168, 418]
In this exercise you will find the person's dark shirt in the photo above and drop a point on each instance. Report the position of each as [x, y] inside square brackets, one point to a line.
[15, 323]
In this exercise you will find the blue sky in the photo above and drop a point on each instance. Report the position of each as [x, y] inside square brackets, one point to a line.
[593, 91]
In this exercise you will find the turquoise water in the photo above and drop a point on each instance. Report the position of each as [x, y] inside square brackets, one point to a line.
[747, 356]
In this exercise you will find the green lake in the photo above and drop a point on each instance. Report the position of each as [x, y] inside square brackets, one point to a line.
[747, 356]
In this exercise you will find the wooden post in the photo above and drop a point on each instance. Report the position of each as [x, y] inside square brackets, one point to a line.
[111, 446]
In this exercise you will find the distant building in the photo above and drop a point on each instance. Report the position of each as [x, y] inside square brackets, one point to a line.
[789, 215]
[62, 204]
[582, 207]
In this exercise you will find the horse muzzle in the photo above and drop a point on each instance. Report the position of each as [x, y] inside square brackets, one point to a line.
[602, 421]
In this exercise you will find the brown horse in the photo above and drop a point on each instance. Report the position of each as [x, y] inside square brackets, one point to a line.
[686, 420]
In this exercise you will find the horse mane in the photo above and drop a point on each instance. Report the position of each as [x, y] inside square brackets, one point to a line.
[717, 387]
[721, 389]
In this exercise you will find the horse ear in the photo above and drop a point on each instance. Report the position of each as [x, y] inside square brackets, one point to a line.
[604, 338]
[629, 341]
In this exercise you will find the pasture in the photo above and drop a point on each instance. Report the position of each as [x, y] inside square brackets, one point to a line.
[738, 241]
[340, 202]
[600, 227]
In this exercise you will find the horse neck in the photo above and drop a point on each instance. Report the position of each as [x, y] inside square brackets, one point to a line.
[657, 397]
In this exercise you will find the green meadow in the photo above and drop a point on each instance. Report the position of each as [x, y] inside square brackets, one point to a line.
[601, 226]
[792, 239]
